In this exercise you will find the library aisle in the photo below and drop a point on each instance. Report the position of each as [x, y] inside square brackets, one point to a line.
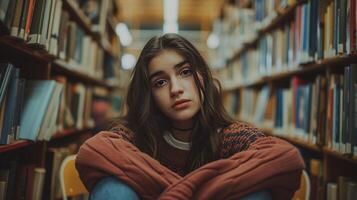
[288, 67]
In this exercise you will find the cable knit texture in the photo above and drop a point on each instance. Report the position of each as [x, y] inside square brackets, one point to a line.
[249, 162]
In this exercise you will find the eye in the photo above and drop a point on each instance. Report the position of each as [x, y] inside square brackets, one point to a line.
[186, 72]
[159, 83]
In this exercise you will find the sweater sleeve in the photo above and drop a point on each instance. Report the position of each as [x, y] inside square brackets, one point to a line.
[238, 137]
[123, 133]
[269, 163]
[110, 154]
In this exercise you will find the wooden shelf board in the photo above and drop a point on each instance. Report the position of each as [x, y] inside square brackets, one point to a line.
[78, 16]
[293, 140]
[338, 155]
[16, 145]
[323, 64]
[281, 17]
[245, 47]
[74, 131]
[64, 68]
[24, 48]
[302, 143]
[69, 132]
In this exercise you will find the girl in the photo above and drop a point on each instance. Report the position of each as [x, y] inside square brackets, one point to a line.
[177, 142]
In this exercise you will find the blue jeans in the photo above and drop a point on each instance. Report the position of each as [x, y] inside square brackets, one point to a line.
[112, 189]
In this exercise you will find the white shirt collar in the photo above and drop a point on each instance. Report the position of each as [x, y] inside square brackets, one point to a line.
[172, 141]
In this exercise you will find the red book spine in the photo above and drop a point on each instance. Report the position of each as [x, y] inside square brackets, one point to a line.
[353, 25]
[29, 18]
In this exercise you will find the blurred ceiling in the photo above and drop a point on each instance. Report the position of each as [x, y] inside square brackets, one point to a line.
[148, 14]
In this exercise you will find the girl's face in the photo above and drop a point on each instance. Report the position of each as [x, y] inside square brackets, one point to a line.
[173, 87]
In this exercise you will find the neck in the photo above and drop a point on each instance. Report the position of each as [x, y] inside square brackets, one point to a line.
[183, 136]
[182, 131]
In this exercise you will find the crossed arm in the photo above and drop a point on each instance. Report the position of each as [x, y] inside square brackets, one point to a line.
[271, 164]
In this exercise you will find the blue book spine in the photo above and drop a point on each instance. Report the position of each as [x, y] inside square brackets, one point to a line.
[308, 101]
[7, 134]
[336, 116]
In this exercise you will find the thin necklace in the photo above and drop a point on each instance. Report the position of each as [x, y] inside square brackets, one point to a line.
[182, 129]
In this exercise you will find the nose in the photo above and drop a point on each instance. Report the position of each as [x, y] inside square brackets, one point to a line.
[176, 87]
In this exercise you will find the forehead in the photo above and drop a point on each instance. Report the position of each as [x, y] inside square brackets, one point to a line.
[166, 59]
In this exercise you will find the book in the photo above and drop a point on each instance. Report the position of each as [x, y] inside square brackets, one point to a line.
[331, 191]
[23, 19]
[352, 133]
[35, 35]
[8, 171]
[3, 9]
[351, 190]
[54, 36]
[48, 124]
[8, 130]
[3, 187]
[39, 178]
[6, 71]
[37, 97]
[16, 18]
[342, 186]
[29, 18]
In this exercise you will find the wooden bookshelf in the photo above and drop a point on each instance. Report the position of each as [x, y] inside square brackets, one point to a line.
[313, 81]
[72, 102]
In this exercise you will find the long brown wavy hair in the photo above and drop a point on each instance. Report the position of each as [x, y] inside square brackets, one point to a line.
[147, 122]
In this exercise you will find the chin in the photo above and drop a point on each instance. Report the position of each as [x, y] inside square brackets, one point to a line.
[183, 116]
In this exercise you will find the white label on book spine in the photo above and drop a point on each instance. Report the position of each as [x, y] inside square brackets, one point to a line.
[335, 146]
[14, 31]
[313, 139]
[340, 48]
[22, 33]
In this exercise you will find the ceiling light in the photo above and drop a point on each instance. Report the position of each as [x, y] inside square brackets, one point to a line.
[170, 16]
[170, 27]
[212, 41]
[124, 35]
[171, 10]
[128, 61]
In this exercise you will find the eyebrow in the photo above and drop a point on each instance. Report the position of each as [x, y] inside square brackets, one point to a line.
[176, 66]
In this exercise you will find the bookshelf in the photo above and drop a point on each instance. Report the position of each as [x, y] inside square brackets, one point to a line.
[75, 63]
[291, 73]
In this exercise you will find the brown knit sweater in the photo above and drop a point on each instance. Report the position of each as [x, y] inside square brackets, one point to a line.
[235, 138]
[248, 161]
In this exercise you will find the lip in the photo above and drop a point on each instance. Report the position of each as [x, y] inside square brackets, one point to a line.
[183, 103]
